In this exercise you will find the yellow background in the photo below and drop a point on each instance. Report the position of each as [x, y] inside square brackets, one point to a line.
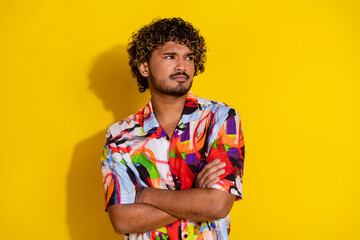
[290, 68]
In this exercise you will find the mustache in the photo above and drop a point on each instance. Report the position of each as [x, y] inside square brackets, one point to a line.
[179, 73]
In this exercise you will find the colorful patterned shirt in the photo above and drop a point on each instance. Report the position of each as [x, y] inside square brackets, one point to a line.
[138, 153]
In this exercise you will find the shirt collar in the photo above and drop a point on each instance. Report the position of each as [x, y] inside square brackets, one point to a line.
[190, 113]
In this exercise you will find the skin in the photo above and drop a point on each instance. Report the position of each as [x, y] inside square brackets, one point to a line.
[168, 91]
[170, 73]
[142, 216]
[210, 173]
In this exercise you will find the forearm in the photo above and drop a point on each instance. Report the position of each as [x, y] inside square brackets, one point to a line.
[194, 204]
[138, 217]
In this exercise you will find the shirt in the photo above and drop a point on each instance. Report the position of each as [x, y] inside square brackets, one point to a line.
[138, 153]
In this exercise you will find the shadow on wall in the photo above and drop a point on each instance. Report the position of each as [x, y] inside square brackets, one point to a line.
[111, 81]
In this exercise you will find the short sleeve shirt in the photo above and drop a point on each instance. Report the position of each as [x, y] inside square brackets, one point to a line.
[138, 153]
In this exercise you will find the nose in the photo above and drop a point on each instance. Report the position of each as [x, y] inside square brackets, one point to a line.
[180, 65]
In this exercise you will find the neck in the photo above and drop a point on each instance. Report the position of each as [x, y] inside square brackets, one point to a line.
[166, 107]
[168, 110]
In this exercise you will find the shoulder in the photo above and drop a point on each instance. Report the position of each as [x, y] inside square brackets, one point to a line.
[219, 109]
[128, 124]
[224, 119]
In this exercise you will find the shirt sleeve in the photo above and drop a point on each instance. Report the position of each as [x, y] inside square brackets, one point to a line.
[118, 180]
[229, 147]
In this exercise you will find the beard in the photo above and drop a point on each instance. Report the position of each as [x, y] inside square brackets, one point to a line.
[161, 87]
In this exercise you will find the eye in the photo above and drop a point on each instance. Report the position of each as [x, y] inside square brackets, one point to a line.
[190, 58]
[169, 57]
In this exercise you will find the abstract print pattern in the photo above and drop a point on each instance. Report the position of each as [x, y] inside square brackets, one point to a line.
[138, 153]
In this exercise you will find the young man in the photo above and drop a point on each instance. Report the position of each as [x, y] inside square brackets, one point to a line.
[174, 169]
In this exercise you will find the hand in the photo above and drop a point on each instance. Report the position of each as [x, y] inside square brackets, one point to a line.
[210, 173]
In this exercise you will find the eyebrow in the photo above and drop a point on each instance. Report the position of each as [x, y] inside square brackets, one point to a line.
[174, 53]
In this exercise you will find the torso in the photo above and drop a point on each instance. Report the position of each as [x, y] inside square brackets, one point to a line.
[171, 162]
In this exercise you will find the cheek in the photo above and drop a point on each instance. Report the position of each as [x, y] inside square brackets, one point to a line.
[160, 68]
[191, 68]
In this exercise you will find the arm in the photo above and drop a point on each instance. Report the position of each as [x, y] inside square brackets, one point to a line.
[140, 217]
[128, 217]
[195, 204]
[137, 217]
[120, 191]
[208, 204]
[206, 178]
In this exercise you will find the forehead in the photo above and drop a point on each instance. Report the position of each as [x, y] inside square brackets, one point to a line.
[174, 47]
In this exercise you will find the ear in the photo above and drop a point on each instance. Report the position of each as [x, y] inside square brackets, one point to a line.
[144, 69]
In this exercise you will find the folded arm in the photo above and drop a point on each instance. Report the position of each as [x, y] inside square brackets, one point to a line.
[141, 217]
[138, 217]
[194, 204]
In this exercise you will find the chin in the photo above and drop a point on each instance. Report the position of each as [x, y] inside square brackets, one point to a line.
[178, 93]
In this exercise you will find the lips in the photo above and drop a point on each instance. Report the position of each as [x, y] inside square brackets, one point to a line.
[180, 76]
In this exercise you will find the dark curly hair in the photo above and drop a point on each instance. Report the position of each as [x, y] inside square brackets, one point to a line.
[156, 34]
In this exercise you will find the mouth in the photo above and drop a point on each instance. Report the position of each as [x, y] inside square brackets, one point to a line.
[180, 78]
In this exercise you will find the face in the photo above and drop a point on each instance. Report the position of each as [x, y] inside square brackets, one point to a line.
[170, 69]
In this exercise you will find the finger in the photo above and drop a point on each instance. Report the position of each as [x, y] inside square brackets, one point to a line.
[199, 182]
[212, 177]
[209, 174]
[210, 164]
[211, 183]
[207, 166]
[213, 169]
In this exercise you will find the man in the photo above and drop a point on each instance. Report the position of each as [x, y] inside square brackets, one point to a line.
[174, 169]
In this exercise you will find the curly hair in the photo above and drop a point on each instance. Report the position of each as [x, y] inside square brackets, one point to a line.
[156, 34]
